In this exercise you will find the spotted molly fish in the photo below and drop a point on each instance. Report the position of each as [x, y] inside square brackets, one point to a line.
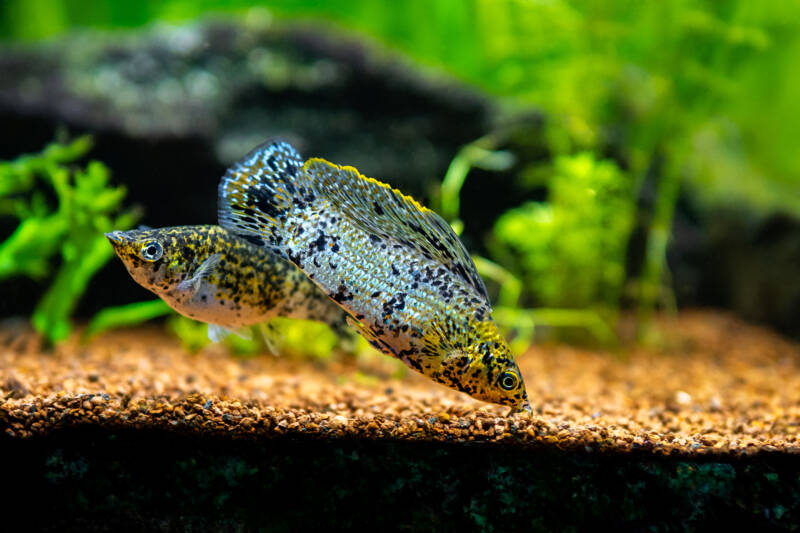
[397, 268]
[211, 275]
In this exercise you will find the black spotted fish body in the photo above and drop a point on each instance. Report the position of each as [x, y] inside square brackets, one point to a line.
[396, 267]
[209, 274]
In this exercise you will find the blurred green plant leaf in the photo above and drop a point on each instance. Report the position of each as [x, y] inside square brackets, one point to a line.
[192, 334]
[125, 316]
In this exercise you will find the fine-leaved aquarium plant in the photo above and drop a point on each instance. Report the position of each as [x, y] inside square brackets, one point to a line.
[570, 250]
[63, 211]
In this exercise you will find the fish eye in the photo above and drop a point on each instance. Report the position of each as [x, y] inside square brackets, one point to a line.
[508, 381]
[152, 251]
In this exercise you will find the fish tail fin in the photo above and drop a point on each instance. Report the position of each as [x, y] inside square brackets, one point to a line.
[258, 194]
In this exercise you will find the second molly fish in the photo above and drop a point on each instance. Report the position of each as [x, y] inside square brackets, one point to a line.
[210, 275]
[397, 268]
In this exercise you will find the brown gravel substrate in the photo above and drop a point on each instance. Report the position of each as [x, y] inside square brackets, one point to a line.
[716, 386]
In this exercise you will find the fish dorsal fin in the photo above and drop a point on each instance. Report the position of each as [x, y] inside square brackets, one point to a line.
[260, 189]
[380, 210]
[260, 192]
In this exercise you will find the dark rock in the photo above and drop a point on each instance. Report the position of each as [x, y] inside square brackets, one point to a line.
[214, 90]
[741, 260]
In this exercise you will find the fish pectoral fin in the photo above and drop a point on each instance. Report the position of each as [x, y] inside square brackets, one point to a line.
[217, 333]
[203, 271]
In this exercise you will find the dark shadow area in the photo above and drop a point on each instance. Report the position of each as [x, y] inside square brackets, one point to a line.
[137, 480]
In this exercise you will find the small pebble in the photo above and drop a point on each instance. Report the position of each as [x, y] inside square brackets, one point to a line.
[683, 398]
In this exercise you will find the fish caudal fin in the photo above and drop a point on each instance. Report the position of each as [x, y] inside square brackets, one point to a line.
[257, 194]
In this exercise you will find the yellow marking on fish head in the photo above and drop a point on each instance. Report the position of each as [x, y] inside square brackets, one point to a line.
[476, 360]
[150, 256]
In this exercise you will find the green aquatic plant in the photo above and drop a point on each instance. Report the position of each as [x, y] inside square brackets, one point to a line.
[570, 250]
[64, 241]
[292, 337]
[699, 74]
[124, 316]
[574, 189]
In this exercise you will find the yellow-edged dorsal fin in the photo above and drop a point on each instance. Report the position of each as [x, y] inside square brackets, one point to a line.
[380, 210]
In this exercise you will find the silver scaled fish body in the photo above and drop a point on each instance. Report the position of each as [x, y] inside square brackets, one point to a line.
[209, 274]
[397, 268]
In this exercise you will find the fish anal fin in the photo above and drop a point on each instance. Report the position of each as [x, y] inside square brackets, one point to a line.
[217, 333]
[365, 332]
[267, 333]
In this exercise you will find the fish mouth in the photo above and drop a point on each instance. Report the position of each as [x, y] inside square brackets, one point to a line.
[523, 409]
[116, 237]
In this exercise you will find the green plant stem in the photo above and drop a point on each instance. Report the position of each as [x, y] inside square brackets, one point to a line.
[582, 318]
[51, 317]
[125, 315]
[477, 153]
[510, 285]
[651, 282]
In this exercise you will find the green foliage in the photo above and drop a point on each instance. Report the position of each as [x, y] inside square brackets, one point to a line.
[713, 78]
[72, 230]
[478, 154]
[698, 94]
[296, 338]
[594, 202]
[192, 334]
[125, 316]
[570, 250]
[302, 338]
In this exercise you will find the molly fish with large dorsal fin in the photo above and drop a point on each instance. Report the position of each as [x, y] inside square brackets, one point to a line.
[211, 275]
[397, 268]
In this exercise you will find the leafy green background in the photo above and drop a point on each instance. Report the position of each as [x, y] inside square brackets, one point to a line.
[713, 83]
[700, 95]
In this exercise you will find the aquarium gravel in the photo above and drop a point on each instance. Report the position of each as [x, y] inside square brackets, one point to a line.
[717, 386]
